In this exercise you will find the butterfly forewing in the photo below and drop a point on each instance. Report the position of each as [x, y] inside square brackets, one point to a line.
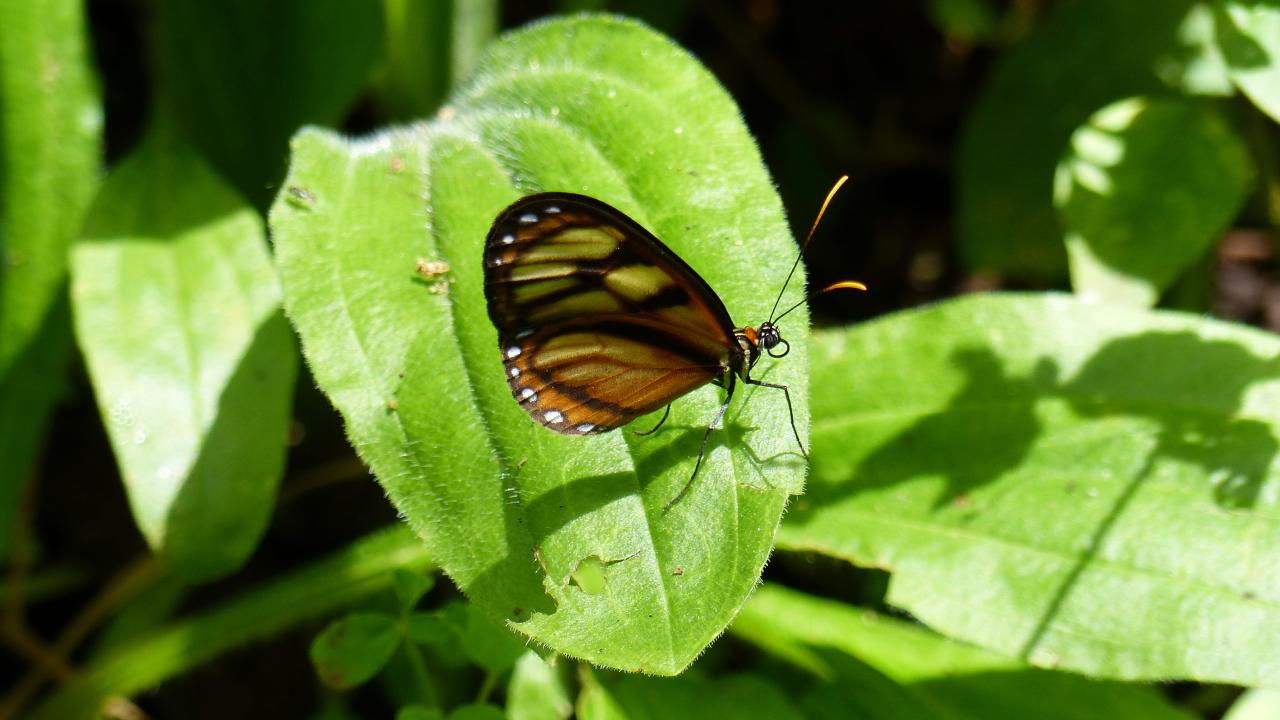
[598, 321]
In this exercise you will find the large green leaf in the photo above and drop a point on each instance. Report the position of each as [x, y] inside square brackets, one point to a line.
[1087, 54]
[1084, 486]
[243, 75]
[1248, 33]
[1137, 215]
[50, 137]
[596, 105]
[177, 312]
[948, 678]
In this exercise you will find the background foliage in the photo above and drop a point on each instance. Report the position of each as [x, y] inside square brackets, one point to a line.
[214, 329]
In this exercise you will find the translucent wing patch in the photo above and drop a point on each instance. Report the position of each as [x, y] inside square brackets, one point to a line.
[598, 321]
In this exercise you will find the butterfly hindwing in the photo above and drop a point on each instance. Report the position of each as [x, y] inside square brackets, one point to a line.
[598, 321]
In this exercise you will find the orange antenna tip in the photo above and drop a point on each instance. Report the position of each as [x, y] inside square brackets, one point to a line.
[845, 285]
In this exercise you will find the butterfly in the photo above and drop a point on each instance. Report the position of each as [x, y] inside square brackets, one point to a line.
[599, 322]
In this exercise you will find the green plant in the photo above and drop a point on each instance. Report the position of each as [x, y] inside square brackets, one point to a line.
[1072, 495]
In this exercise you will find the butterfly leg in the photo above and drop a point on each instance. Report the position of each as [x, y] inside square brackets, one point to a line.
[654, 429]
[702, 451]
[790, 412]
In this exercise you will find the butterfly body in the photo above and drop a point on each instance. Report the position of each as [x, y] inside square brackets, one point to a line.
[598, 321]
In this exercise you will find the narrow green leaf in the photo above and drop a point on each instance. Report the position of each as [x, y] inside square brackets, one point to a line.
[509, 508]
[537, 691]
[950, 679]
[353, 649]
[50, 138]
[1249, 36]
[358, 571]
[177, 312]
[1137, 215]
[1085, 55]
[1087, 487]
[1255, 705]
[244, 75]
[430, 46]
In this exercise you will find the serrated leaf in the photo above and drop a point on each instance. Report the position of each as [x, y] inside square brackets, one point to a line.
[1086, 487]
[243, 75]
[1085, 55]
[1248, 33]
[508, 508]
[50, 143]
[537, 691]
[177, 312]
[949, 679]
[353, 649]
[1144, 191]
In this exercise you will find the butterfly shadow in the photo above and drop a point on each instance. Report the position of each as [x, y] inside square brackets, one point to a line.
[986, 431]
[685, 441]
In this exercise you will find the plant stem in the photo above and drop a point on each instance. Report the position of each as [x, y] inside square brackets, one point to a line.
[427, 691]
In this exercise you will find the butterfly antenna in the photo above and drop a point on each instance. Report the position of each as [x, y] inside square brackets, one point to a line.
[834, 189]
[842, 285]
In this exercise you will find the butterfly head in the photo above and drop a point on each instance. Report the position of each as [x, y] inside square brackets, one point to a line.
[766, 337]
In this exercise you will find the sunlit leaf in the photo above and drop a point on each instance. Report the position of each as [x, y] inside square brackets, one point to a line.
[510, 509]
[1085, 55]
[1085, 487]
[1249, 36]
[177, 312]
[1144, 191]
[944, 678]
[50, 141]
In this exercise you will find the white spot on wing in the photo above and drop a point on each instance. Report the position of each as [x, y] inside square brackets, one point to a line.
[527, 219]
[513, 351]
[508, 239]
[515, 371]
[586, 427]
[554, 416]
[528, 394]
[552, 209]
[524, 334]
